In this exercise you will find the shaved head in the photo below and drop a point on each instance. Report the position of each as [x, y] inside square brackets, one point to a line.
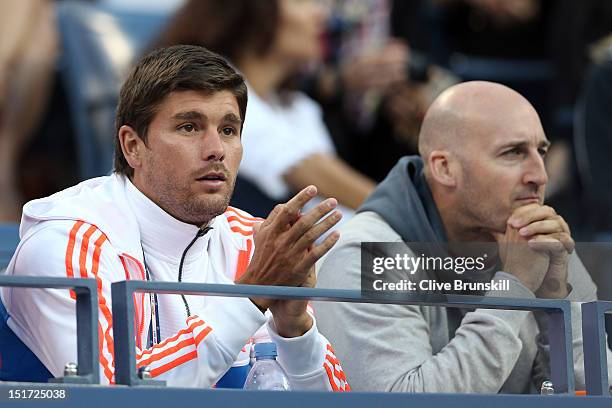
[483, 147]
[458, 111]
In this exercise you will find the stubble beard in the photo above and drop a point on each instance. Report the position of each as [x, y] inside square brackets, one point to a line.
[180, 202]
[476, 211]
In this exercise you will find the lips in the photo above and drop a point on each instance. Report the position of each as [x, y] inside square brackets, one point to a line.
[529, 198]
[213, 176]
[212, 181]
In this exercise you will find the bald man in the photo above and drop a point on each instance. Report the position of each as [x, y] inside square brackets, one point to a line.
[480, 177]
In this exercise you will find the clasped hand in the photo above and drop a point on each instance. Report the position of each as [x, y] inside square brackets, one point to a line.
[535, 248]
[286, 253]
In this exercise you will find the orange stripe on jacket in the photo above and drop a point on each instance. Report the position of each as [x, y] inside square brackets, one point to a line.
[94, 270]
[243, 260]
[108, 373]
[140, 295]
[202, 336]
[242, 232]
[137, 262]
[338, 374]
[190, 318]
[83, 251]
[233, 218]
[170, 339]
[102, 303]
[244, 217]
[167, 352]
[140, 325]
[330, 377]
[70, 252]
[180, 360]
[174, 349]
[166, 367]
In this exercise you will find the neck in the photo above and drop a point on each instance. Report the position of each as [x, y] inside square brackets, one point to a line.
[138, 183]
[160, 232]
[264, 74]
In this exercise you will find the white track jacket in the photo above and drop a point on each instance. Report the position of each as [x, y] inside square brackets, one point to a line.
[105, 229]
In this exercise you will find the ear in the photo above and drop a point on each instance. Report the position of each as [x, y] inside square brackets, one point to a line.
[442, 168]
[132, 146]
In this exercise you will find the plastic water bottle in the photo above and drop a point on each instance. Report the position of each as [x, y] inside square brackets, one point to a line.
[547, 388]
[252, 355]
[266, 373]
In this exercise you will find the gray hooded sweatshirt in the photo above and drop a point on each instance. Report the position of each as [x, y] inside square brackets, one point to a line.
[424, 348]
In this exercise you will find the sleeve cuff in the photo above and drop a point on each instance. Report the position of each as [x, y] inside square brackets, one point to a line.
[572, 295]
[299, 356]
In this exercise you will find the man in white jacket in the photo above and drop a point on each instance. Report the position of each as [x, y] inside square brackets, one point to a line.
[163, 215]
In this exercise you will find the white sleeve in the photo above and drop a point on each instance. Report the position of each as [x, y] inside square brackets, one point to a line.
[198, 355]
[309, 360]
[276, 139]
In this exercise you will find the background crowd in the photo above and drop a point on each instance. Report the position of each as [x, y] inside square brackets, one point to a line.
[337, 88]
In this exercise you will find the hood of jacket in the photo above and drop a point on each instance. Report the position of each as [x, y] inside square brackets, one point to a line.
[403, 199]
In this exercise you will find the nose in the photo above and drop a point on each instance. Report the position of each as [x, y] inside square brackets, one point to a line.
[535, 171]
[212, 146]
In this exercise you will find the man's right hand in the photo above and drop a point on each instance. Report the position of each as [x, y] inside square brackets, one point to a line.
[547, 233]
[520, 260]
[285, 249]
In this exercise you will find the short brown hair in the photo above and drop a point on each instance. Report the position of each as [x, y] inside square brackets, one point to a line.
[166, 70]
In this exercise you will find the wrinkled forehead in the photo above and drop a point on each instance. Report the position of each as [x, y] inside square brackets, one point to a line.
[494, 126]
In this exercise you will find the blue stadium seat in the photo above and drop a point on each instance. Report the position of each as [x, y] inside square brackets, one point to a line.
[99, 44]
[17, 362]
[9, 238]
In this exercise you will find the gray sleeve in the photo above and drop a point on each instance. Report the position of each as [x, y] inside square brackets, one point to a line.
[583, 290]
[389, 347]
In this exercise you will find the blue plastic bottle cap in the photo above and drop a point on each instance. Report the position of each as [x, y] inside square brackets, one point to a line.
[265, 350]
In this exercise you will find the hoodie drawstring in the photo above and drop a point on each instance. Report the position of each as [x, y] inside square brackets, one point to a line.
[201, 232]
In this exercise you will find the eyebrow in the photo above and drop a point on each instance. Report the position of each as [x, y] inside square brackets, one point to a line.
[195, 115]
[521, 143]
[232, 118]
[189, 115]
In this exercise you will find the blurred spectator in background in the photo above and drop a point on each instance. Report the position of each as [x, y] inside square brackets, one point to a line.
[550, 37]
[373, 87]
[594, 141]
[287, 146]
[28, 49]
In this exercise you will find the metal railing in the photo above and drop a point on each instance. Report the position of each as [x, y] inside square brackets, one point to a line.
[562, 368]
[86, 292]
[595, 346]
[159, 396]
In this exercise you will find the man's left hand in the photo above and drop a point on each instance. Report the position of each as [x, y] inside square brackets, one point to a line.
[290, 316]
[547, 232]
